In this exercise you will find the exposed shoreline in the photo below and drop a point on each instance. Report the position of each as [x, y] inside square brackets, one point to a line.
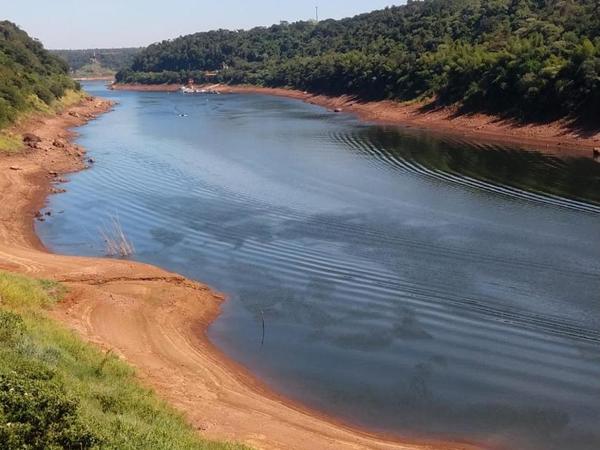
[558, 137]
[153, 319]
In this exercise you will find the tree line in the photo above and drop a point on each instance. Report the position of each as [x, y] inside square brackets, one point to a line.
[525, 58]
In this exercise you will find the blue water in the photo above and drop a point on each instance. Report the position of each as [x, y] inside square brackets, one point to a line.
[409, 284]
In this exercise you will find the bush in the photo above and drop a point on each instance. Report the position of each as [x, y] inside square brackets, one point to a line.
[35, 413]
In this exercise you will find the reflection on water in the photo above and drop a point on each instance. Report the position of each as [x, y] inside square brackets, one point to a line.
[574, 178]
[408, 284]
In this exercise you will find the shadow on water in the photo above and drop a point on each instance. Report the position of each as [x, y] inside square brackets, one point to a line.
[576, 178]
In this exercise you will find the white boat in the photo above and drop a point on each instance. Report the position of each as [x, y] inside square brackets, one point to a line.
[191, 90]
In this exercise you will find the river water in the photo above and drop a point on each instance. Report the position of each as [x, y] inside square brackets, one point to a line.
[410, 284]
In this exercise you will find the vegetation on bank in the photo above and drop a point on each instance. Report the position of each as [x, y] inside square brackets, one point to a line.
[31, 79]
[98, 62]
[58, 392]
[525, 58]
[11, 141]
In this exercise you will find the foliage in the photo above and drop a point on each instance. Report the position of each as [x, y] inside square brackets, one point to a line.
[29, 75]
[528, 58]
[58, 392]
[97, 62]
[35, 411]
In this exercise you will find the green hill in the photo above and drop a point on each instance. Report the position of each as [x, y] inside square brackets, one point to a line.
[97, 62]
[525, 58]
[30, 77]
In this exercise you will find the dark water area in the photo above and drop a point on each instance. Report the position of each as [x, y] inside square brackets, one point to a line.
[409, 284]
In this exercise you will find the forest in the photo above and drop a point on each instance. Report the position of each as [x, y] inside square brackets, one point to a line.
[98, 61]
[30, 77]
[523, 58]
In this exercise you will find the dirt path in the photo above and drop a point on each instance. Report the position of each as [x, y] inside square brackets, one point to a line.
[154, 319]
[560, 137]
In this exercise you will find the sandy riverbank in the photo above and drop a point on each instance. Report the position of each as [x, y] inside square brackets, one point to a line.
[153, 319]
[556, 137]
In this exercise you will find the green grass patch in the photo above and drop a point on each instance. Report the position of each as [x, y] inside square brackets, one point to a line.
[71, 97]
[58, 392]
[10, 142]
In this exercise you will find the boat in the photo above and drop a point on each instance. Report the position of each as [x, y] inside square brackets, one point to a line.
[192, 90]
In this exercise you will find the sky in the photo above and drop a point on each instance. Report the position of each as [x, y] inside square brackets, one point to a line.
[61, 24]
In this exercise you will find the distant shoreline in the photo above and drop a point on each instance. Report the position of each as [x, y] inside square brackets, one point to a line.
[558, 137]
[102, 78]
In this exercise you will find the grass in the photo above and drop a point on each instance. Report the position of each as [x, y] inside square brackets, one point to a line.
[112, 410]
[12, 142]
[115, 241]
[70, 98]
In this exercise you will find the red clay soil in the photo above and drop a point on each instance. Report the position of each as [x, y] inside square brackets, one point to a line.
[153, 319]
[557, 137]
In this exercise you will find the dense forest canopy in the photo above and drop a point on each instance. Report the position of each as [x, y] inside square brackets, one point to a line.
[110, 60]
[30, 76]
[528, 58]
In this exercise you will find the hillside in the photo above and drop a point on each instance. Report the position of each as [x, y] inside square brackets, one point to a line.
[97, 62]
[30, 77]
[524, 58]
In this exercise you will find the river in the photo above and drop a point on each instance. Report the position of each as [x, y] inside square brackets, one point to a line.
[409, 284]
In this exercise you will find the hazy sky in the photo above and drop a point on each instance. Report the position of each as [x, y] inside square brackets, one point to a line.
[130, 23]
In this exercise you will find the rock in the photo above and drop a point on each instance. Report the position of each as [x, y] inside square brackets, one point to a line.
[15, 168]
[91, 160]
[337, 110]
[596, 152]
[58, 143]
[73, 114]
[37, 215]
[31, 138]
[52, 173]
[48, 213]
